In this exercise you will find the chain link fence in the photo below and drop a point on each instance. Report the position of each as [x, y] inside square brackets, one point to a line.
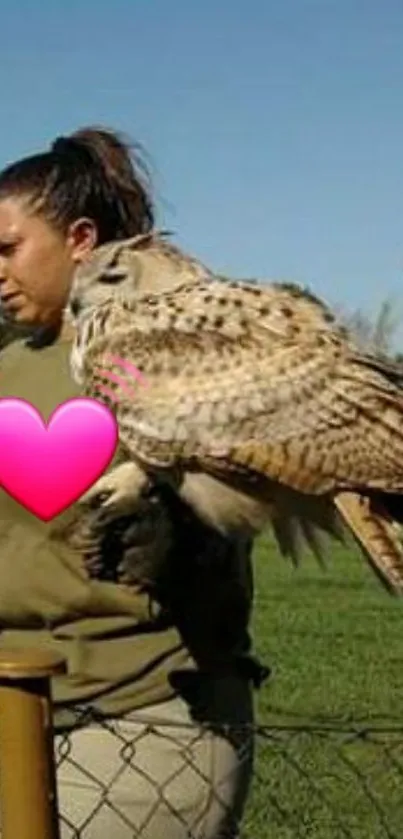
[327, 783]
[126, 791]
[311, 781]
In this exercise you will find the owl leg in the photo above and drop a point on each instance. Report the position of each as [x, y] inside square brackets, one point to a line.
[118, 493]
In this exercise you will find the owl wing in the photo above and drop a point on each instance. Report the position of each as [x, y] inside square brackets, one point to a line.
[240, 381]
[256, 384]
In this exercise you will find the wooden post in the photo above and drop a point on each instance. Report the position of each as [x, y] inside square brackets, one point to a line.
[28, 797]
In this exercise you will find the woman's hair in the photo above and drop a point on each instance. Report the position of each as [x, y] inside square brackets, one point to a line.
[94, 173]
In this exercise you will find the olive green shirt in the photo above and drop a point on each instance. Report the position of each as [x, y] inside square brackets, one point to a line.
[114, 654]
[119, 656]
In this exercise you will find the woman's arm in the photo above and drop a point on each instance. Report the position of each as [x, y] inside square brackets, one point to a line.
[71, 568]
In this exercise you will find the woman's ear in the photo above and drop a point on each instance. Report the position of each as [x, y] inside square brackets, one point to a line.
[82, 238]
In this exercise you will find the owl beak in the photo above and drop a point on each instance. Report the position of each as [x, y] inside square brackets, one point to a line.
[75, 307]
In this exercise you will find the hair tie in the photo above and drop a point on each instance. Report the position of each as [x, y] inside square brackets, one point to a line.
[66, 145]
[60, 145]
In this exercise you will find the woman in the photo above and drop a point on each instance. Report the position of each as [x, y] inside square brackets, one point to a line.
[152, 714]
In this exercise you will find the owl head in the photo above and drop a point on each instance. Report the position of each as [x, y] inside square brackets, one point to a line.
[110, 271]
[143, 264]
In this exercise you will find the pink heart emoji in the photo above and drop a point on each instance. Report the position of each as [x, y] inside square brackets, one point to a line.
[46, 468]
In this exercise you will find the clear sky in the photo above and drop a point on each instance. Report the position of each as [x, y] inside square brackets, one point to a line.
[275, 129]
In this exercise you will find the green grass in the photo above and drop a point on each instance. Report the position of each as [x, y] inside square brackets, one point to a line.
[334, 639]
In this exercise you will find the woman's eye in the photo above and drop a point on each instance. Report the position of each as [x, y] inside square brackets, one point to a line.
[112, 277]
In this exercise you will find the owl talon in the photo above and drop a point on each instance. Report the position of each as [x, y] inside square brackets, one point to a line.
[101, 499]
[119, 492]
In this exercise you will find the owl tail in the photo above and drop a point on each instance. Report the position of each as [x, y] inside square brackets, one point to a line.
[300, 520]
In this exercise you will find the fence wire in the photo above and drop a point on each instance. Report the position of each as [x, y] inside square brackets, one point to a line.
[308, 781]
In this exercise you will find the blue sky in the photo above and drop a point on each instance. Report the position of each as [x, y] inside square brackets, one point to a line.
[275, 129]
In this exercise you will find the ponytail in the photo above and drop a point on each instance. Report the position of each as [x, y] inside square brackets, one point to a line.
[93, 173]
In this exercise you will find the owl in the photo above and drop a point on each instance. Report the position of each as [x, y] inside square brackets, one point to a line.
[248, 399]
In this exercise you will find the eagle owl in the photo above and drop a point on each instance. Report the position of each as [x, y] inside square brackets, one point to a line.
[253, 403]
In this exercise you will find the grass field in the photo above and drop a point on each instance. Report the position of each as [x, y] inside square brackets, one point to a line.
[334, 639]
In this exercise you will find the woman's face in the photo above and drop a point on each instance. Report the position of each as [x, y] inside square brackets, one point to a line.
[37, 263]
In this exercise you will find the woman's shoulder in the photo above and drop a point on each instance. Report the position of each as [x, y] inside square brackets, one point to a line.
[38, 372]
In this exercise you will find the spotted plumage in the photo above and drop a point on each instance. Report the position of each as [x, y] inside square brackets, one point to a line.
[254, 385]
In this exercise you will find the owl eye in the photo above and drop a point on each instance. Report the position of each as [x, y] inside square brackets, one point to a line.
[112, 277]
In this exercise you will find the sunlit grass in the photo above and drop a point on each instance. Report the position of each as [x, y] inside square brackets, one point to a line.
[333, 639]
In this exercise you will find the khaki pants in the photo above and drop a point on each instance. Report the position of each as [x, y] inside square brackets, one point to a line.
[158, 774]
